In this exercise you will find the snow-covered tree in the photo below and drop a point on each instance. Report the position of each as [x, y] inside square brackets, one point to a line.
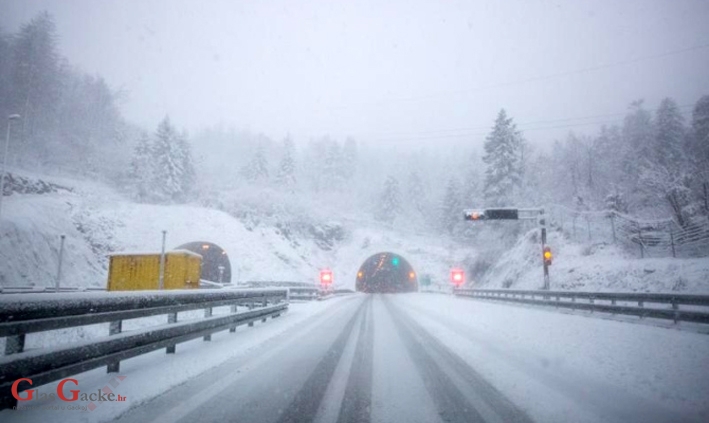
[416, 192]
[389, 205]
[174, 173]
[452, 208]
[285, 178]
[142, 171]
[257, 169]
[670, 136]
[503, 156]
[349, 159]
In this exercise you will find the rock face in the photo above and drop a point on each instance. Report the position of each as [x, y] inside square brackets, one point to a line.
[21, 185]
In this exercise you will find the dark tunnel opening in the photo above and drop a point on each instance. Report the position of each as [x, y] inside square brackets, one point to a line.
[386, 272]
[213, 256]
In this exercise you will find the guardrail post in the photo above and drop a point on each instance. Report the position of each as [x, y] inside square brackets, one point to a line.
[208, 313]
[14, 344]
[591, 299]
[233, 310]
[641, 305]
[171, 318]
[251, 307]
[264, 304]
[114, 328]
[675, 307]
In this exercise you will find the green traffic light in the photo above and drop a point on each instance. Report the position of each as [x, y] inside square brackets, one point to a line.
[395, 261]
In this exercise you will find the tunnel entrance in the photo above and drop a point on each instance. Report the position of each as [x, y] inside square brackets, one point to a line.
[386, 272]
[213, 256]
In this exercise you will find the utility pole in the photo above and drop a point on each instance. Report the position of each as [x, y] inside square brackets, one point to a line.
[161, 280]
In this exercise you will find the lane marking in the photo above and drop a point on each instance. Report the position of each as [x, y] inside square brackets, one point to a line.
[187, 406]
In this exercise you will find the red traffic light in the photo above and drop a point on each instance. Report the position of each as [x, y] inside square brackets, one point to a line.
[547, 256]
[457, 276]
[326, 277]
[474, 214]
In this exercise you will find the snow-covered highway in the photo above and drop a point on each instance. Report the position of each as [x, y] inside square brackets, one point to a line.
[427, 358]
[405, 358]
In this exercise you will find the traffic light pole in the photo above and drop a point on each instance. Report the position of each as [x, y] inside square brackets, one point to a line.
[517, 214]
[542, 223]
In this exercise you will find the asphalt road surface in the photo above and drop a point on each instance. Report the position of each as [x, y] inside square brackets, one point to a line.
[366, 360]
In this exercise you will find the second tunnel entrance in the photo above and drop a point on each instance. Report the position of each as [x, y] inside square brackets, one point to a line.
[386, 272]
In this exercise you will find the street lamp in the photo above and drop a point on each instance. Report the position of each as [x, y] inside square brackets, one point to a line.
[10, 118]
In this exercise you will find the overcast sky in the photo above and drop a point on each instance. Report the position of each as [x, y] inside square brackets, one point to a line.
[409, 71]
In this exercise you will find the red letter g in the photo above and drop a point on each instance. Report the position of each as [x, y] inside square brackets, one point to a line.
[15, 394]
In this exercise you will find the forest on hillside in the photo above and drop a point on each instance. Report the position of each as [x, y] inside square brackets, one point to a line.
[654, 162]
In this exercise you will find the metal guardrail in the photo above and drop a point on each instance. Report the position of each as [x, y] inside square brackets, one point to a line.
[20, 315]
[45, 289]
[655, 305]
[313, 293]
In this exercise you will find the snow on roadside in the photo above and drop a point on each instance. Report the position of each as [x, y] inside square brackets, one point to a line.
[149, 375]
[563, 367]
[598, 267]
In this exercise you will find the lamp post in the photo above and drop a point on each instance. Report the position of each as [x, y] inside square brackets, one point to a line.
[10, 118]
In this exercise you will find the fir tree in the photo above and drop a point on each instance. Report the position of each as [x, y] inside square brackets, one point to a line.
[389, 205]
[257, 169]
[173, 164]
[503, 156]
[349, 159]
[670, 134]
[286, 170]
[452, 208]
[141, 168]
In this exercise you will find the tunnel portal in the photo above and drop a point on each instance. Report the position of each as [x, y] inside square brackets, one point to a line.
[213, 256]
[386, 272]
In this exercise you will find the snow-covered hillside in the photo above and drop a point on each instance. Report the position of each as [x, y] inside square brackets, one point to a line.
[594, 267]
[98, 220]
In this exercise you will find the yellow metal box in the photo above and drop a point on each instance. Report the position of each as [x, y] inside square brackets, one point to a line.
[133, 272]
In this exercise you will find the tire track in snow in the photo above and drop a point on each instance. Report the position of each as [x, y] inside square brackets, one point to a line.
[356, 405]
[459, 392]
[307, 400]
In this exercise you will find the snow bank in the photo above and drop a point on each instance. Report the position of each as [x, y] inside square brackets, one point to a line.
[594, 267]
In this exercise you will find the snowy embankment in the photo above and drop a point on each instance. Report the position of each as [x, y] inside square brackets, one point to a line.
[561, 367]
[291, 243]
[149, 375]
[597, 267]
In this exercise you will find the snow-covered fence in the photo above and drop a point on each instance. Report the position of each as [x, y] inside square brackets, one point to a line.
[24, 314]
[654, 305]
[648, 238]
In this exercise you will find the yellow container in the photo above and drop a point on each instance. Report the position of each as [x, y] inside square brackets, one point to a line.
[134, 272]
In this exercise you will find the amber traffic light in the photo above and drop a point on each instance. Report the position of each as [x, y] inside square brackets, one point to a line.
[547, 255]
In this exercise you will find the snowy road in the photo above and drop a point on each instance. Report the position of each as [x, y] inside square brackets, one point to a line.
[429, 358]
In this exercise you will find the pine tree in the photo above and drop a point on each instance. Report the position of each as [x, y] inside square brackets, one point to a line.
[503, 156]
[174, 174]
[349, 159]
[35, 82]
[333, 165]
[189, 175]
[699, 152]
[638, 141]
[452, 208]
[285, 177]
[416, 192]
[141, 168]
[670, 135]
[257, 169]
[389, 205]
